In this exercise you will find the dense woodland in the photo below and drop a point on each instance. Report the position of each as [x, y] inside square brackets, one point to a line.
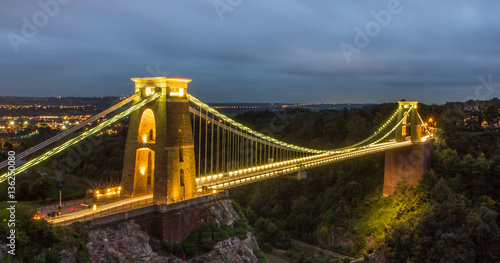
[452, 214]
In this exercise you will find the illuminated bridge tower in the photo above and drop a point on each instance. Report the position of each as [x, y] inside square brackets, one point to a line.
[410, 126]
[159, 151]
[407, 164]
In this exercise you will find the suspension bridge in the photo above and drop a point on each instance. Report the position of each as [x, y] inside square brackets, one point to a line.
[179, 148]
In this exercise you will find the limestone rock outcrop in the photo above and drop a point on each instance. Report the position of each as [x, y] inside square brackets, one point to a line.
[128, 243]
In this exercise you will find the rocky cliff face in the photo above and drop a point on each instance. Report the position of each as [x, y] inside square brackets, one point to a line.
[222, 213]
[128, 243]
[231, 250]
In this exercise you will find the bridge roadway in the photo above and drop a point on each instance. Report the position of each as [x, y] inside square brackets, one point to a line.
[250, 175]
[230, 180]
[102, 210]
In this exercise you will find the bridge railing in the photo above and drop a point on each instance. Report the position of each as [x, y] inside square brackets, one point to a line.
[55, 206]
[102, 212]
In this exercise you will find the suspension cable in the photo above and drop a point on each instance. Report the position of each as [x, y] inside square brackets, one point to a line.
[79, 138]
[421, 121]
[71, 130]
[283, 144]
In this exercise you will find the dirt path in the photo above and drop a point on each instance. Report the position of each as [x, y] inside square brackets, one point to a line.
[275, 259]
[306, 247]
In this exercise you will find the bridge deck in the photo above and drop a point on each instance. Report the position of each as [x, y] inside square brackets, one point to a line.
[249, 175]
[230, 180]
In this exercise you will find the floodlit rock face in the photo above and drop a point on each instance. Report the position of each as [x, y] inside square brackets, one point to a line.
[222, 213]
[231, 250]
[128, 243]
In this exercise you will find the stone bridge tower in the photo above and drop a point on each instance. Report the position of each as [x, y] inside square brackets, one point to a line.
[407, 164]
[159, 150]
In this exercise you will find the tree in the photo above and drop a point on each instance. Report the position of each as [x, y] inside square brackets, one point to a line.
[8, 145]
[41, 188]
[491, 114]
[357, 127]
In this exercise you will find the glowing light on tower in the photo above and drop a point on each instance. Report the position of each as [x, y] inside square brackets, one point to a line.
[177, 92]
[148, 91]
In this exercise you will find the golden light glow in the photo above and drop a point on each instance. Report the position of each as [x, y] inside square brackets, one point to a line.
[94, 207]
[144, 168]
[430, 120]
[147, 127]
[148, 91]
[177, 92]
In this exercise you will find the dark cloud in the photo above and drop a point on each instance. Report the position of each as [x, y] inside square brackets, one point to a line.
[262, 51]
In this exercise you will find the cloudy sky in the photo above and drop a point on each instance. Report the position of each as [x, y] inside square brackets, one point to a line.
[254, 50]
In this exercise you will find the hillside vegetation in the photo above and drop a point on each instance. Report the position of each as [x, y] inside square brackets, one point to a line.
[451, 215]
